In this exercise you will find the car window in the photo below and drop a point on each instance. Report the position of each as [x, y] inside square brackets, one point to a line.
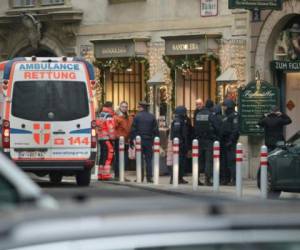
[8, 193]
[34, 100]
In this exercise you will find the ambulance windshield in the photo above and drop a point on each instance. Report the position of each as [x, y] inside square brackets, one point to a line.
[50, 100]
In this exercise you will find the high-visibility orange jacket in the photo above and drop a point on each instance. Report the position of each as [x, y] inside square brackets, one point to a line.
[106, 125]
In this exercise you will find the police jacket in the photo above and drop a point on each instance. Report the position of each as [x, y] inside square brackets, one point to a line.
[217, 119]
[203, 125]
[181, 128]
[145, 125]
[273, 124]
[230, 128]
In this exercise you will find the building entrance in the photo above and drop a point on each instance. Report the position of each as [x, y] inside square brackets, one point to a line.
[194, 84]
[126, 85]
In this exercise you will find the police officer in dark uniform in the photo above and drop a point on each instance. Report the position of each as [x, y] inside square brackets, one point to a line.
[273, 124]
[181, 128]
[217, 120]
[229, 137]
[145, 125]
[205, 133]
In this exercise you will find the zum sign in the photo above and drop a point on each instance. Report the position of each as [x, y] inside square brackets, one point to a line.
[79, 140]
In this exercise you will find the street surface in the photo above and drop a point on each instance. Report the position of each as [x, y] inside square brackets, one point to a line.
[99, 191]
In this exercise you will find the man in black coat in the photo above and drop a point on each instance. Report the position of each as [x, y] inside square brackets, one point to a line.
[229, 138]
[205, 133]
[181, 128]
[145, 125]
[273, 124]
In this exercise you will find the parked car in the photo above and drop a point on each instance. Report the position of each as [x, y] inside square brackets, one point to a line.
[17, 189]
[284, 167]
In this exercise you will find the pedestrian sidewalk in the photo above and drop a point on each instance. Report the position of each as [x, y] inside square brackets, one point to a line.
[250, 190]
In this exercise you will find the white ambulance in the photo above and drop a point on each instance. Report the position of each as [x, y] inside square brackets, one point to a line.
[48, 117]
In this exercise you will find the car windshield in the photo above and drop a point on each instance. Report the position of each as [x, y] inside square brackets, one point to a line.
[34, 100]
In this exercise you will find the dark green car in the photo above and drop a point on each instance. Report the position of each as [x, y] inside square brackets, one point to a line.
[284, 167]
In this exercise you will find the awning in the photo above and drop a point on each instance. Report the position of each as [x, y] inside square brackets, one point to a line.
[118, 48]
[229, 75]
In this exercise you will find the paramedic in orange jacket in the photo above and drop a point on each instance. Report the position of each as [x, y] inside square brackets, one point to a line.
[106, 135]
[123, 122]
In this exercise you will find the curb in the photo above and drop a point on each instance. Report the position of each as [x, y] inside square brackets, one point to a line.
[183, 194]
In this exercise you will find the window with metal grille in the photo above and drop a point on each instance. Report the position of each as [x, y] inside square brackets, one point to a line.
[52, 2]
[127, 85]
[23, 3]
[193, 85]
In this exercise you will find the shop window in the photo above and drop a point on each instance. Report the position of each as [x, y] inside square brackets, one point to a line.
[194, 84]
[23, 3]
[52, 2]
[127, 85]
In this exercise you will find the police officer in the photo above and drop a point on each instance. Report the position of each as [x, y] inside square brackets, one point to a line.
[181, 128]
[205, 133]
[273, 124]
[145, 125]
[216, 119]
[229, 137]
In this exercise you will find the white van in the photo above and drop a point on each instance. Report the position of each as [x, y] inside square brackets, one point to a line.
[48, 117]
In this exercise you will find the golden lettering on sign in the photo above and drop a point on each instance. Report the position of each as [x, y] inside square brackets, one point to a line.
[185, 46]
[114, 50]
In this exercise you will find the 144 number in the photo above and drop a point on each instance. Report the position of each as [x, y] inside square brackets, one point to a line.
[79, 140]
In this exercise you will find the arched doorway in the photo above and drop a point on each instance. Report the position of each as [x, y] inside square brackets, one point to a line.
[270, 31]
[39, 52]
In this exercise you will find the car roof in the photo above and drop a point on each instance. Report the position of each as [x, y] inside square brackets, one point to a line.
[117, 218]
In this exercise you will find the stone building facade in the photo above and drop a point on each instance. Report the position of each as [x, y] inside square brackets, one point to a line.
[154, 20]
[67, 27]
[133, 41]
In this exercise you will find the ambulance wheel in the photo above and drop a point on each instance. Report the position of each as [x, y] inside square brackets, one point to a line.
[83, 178]
[55, 178]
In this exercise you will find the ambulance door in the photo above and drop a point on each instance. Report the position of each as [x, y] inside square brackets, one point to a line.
[30, 136]
[71, 126]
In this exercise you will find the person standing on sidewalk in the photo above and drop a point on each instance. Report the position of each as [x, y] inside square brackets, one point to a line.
[145, 125]
[123, 122]
[229, 138]
[180, 128]
[106, 136]
[217, 119]
[205, 134]
[273, 124]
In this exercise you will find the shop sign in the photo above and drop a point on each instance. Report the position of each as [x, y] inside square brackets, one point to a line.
[209, 8]
[286, 65]
[255, 100]
[255, 4]
[110, 49]
[185, 46]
